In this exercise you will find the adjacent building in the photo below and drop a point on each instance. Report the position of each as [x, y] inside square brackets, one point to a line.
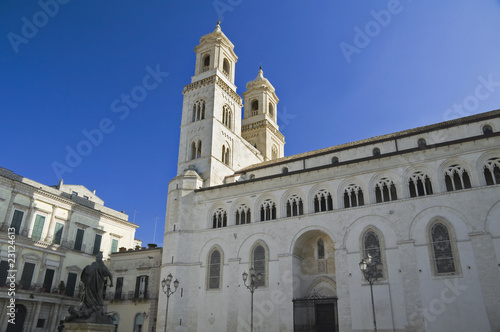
[424, 203]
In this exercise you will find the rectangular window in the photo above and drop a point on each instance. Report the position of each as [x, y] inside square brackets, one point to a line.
[58, 231]
[119, 286]
[17, 219]
[97, 244]
[4, 266]
[79, 239]
[114, 245]
[40, 322]
[27, 275]
[141, 287]
[38, 228]
[47, 281]
[70, 285]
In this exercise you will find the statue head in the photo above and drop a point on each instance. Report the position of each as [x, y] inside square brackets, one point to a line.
[98, 257]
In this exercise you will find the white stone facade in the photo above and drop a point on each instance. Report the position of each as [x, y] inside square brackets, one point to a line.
[57, 230]
[424, 202]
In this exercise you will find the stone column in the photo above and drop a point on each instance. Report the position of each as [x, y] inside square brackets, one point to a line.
[7, 219]
[34, 317]
[25, 230]
[411, 286]
[342, 279]
[489, 275]
[54, 317]
[52, 223]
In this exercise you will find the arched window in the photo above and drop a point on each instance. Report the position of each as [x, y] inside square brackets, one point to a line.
[492, 171]
[274, 152]
[138, 322]
[487, 130]
[243, 215]
[371, 248]
[456, 178]
[294, 206]
[422, 143]
[255, 107]
[227, 116]
[385, 191]
[321, 249]
[376, 152]
[193, 150]
[206, 62]
[419, 184]
[219, 218]
[284, 170]
[442, 249]
[323, 201]
[225, 67]
[199, 110]
[271, 110]
[267, 210]
[335, 160]
[214, 270]
[353, 196]
[259, 263]
[225, 155]
[198, 150]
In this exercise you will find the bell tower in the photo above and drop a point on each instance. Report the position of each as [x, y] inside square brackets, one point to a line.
[210, 142]
[259, 125]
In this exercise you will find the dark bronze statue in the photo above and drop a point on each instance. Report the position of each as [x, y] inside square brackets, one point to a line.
[93, 278]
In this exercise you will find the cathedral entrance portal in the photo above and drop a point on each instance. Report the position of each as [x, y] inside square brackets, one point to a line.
[314, 287]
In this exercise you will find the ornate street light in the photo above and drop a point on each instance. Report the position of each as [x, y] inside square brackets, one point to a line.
[252, 286]
[165, 283]
[371, 271]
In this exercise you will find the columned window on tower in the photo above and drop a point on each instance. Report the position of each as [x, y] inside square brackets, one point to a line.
[267, 210]
[492, 171]
[274, 152]
[225, 67]
[196, 150]
[198, 110]
[255, 107]
[243, 215]
[353, 196]
[219, 218]
[323, 201]
[385, 190]
[294, 206]
[225, 155]
[419, 184]
[227, 116]
[206, 63]
[456, 178]
[271, 110]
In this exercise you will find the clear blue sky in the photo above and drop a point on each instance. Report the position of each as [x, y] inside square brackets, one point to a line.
[343, 70]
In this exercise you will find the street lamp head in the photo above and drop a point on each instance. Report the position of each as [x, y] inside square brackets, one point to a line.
[245, 276]
[252, 271]
[176, 283]
[164, 283]
[169, 278]
[362, 265]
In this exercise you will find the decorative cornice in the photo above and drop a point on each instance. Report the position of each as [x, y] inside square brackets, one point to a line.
[261, 124]
[199, 84]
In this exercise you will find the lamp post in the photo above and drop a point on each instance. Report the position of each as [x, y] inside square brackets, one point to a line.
[371, 271]
[252, 286]
[165, 283]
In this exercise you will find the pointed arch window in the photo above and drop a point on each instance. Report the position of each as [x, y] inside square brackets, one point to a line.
[371, 248]
[225, 155]
[198, 110]
[214, 269]
[321, 249]
[353, 196]
[419, 184]
[267, 210]
[294, 206]
[227, 116]
[196, 150]
[243, 215]
[259, 263]
[492, 171]
[323, 201]
[219, 218]
[274, 152]
[385, 191]
[442, 249]
[456, 178]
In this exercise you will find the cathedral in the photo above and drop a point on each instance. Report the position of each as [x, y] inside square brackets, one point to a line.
[420, 209]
